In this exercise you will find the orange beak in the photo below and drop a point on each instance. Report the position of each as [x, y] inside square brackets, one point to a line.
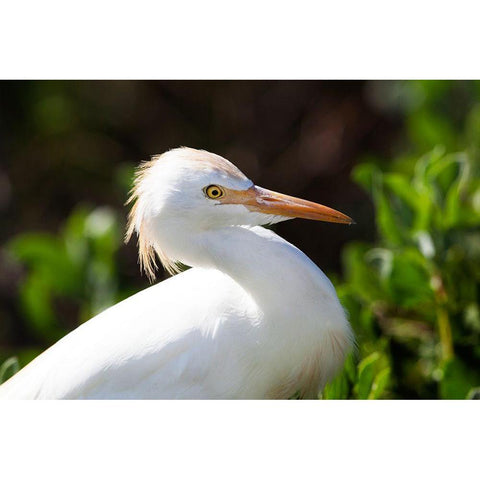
[259, 199]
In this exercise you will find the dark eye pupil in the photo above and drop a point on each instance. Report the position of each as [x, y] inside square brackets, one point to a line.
[214, 193]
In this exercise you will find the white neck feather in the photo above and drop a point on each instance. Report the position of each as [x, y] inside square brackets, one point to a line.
[263, 263]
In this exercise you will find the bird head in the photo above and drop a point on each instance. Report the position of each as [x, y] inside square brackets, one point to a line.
[185, 191]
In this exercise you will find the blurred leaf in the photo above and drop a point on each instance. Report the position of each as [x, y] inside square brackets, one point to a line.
[366, 372]
[46, 254]
[472, 317]
[379, 384]
[36, 299]
[472, 127]
[35, 247]
[366, 175]
[457, 380]
[428, 129]
[388, 223]
[402, 187]
[359, 273]
[78, 265]
[9, 368]
[474, 394]
[409, 279]
[74, 236]
[337, 389]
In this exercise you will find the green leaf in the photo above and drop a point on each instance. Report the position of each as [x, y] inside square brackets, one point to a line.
[363, 280]
[380, 384]
[409, 280]
[457, 380]
[337, 389]
[428, 129]
[366, 372]
[401, 186]
[472, 127]
[9, 368]
[36, 302]
[34, 248]
[366, 175]
[74, 237]
[388, 223]
[46, 254]
[474, 394]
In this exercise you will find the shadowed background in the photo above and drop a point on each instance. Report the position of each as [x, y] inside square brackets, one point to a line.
[68, 149]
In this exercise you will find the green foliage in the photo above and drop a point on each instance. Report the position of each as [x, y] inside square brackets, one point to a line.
[413, 295]
[418, 286]
[9, 368]
[367, 380]
[74, 271]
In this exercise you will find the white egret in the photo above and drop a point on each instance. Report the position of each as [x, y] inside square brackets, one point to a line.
[253, 318]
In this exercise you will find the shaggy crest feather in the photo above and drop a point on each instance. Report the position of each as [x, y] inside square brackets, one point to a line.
[136, 223]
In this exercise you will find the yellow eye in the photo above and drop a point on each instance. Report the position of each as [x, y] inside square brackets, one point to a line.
[214, 191]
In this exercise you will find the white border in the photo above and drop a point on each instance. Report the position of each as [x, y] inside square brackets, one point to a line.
[239, 40]
[235, 439]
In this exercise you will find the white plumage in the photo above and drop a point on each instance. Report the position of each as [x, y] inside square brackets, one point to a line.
[253, 318]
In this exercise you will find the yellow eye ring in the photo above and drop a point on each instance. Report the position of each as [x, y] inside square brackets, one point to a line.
[214, 192]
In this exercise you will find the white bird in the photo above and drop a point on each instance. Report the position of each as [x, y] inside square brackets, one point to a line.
[253, 318]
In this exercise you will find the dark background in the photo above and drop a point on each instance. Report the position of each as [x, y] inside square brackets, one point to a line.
[67, 142]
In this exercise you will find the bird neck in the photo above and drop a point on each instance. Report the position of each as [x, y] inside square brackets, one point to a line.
[263, 263]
